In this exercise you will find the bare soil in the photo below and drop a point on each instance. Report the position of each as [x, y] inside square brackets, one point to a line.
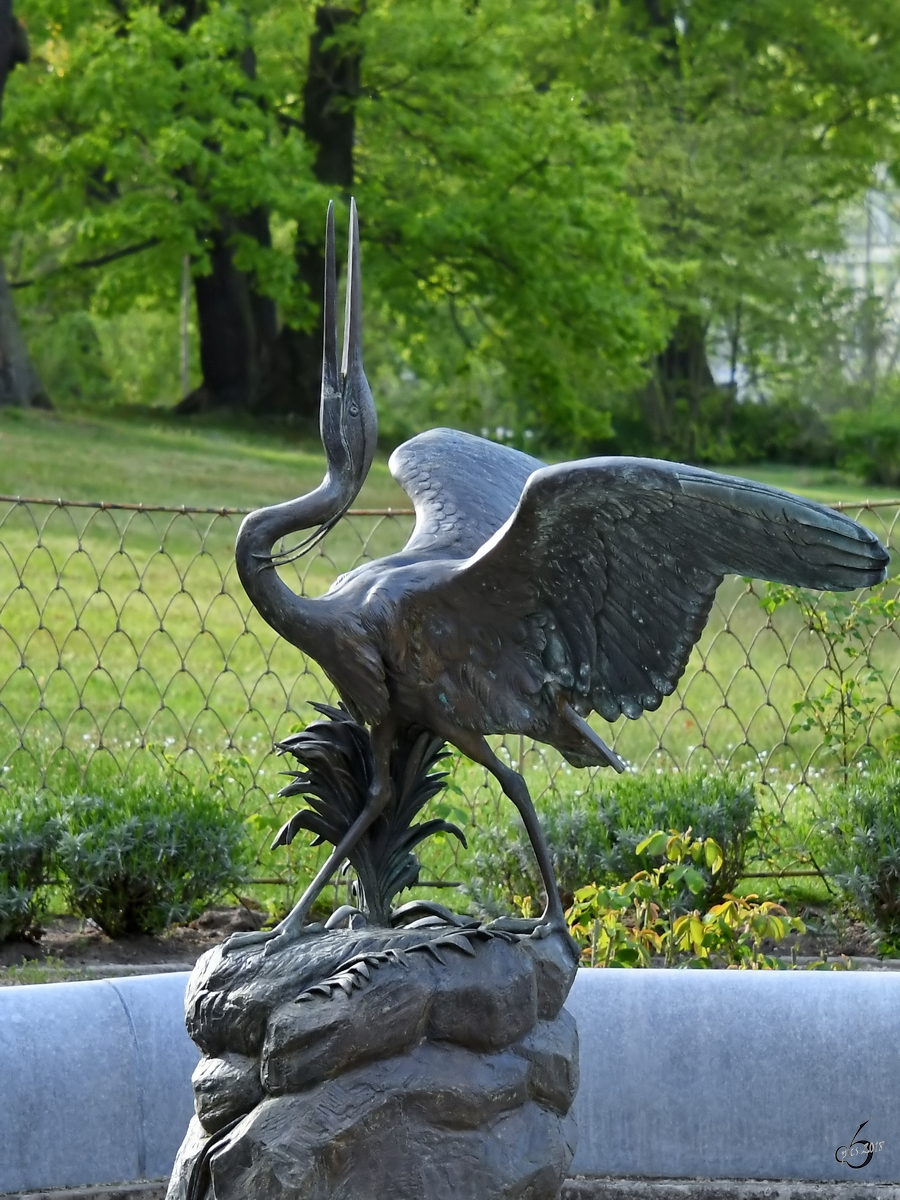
[70, 947]
[826, 937]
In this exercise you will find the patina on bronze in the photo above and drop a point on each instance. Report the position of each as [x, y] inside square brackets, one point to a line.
[527, 597]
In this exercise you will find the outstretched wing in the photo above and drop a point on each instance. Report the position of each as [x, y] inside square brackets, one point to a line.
[463, 488]
[601, 581]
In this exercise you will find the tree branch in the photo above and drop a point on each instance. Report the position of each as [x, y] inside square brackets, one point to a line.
[125, 252]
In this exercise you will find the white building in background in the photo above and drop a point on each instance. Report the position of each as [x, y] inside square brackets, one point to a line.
[869, 265]
[869, 261]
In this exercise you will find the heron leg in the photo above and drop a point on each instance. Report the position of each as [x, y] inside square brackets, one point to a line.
[515, 787]
[289, 929]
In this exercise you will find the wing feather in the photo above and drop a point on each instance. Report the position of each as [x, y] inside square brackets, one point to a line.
[606, 571]
[463, 489]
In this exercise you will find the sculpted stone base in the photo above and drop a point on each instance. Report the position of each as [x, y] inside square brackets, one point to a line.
[428, 1063]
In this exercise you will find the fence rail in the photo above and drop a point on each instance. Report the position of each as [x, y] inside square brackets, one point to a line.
[125, 637]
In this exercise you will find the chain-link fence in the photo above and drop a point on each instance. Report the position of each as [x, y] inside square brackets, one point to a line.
[127, 640]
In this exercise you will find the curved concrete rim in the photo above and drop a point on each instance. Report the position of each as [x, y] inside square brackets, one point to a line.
[733, 1076]
[94, 1081]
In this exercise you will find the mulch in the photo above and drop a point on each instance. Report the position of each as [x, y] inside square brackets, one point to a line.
[72, 945]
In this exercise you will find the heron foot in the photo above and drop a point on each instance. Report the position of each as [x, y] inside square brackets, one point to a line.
[558, 924]
[273, 940]
[524, 926]
[537, 928]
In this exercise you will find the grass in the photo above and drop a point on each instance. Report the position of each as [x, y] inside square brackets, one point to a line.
[49, 970]
[142, 460]
[125, 638]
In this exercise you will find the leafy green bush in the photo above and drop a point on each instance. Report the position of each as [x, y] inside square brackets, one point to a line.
[67, 354]
[869, 440]
[861, 848]
[29, 832]
[136, 860]
[849, 700]
[722, 430]
[593, 836]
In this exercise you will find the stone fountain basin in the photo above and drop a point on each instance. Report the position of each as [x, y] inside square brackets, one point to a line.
[684, 1074]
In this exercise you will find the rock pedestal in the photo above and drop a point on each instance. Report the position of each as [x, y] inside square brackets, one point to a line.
[423, 1064]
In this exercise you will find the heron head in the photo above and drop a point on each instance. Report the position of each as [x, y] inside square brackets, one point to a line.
[348, 422]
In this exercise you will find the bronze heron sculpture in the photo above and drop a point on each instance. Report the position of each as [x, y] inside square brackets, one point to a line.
[528, 595]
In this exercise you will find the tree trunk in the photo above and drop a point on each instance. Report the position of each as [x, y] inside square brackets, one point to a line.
[19, 381]
[672, 402]
[20, 384]
[238, 328]
[247, 363]
[13, 44]
[332, 84]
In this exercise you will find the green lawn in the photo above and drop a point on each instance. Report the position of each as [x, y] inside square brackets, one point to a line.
[142, 461]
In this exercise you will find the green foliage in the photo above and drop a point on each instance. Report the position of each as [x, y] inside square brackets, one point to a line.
[869, 438]
[848, 697]
[627, 925]
[594, 836]
[753, 126]
[860, 848]
[90, 361]
[720, 431]
[29, 832]
[505, 211]
[69, 357]
[547, 192]
[139, 858]
[133, 129]
[498, 234]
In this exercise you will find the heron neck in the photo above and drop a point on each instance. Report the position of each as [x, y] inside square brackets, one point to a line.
[299, 619]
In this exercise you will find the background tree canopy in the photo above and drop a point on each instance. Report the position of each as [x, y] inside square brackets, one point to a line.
[570, 210]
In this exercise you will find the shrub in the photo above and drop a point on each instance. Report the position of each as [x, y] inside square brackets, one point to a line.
[722, 429]
[593, 836]
[628, 925]
[861, 848]
[869, 440]
[136, 860]
[29, 831]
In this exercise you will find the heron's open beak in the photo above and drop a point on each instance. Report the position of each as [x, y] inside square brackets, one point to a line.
[330, 404]
[345, 392]
[348, 424]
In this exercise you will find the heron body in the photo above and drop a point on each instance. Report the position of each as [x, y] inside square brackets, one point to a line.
[528, 596]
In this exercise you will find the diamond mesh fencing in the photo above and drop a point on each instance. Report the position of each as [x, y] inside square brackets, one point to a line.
[128, 647]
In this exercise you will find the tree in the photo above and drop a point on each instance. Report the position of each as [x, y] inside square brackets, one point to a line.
[753, 125]
[156, 141]
[19, 382]
[499, 212]
[500, 244]
[247, 361]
